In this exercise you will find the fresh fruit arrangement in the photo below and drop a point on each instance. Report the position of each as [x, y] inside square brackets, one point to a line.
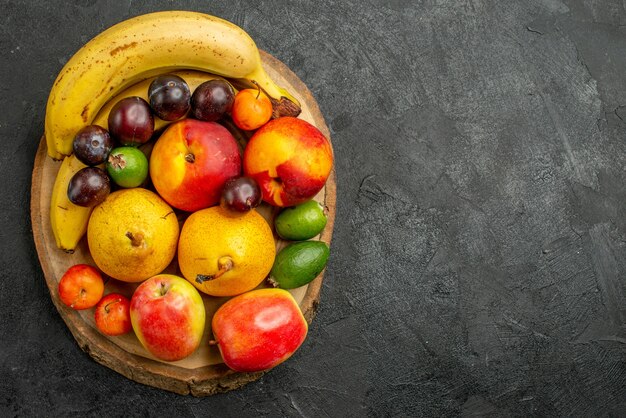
[184, 164]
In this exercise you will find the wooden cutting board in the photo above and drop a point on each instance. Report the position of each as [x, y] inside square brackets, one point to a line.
[202, 373]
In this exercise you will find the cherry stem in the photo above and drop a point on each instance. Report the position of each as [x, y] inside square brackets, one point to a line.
[81, 295]
[258, 89]
[106, 307]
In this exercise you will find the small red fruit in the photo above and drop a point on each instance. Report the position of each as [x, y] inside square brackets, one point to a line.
[113, 315]
[81, 287]
[251, 109]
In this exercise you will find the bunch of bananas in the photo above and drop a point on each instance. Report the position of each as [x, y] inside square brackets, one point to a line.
[121, 62]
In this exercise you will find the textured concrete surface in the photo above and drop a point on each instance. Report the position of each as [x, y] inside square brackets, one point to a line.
[478, 263]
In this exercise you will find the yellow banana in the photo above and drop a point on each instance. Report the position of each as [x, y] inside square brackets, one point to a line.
[68, 221]
[193, 79]
[142, 47]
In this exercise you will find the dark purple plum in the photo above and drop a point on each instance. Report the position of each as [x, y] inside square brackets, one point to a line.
[169, 97]
[211, 100]
[131, 121]
[89, 187]
[92, 145]
[241, 194]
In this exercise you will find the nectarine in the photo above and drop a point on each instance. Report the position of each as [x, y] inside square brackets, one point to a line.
[290, 159]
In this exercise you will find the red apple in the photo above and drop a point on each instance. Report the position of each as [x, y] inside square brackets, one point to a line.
[81, 287]
[259, 329]
[191, 161]
[290, 159]
[167, 315]
[113, 315]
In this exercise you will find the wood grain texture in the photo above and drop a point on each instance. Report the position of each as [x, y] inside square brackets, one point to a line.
[202, 373]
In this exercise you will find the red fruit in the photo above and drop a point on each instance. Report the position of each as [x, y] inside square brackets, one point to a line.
[81, 287]
[259, 329]
[191, 161]
[290, 159]
[113, 315]
[168, 316]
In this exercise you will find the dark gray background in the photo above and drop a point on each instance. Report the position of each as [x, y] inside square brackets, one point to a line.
[479, 256]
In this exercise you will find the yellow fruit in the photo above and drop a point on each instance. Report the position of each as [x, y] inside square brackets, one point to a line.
[224, 254]
[132, 235]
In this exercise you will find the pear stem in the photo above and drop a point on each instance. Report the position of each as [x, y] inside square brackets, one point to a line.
[224, 264]
[135, 239]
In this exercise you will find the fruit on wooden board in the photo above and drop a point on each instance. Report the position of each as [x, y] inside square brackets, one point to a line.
[191, 161]
[301, 222]
[225, 254]
[112, 315]
[168, 316]
[127, 166]
[251, 109]
[290, 159]
[142, 47]
[259, 329]
[132, 235]
[81, 287]
[298, 264]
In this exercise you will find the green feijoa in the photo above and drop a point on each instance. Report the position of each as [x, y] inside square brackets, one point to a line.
[301, 222]
[127, 166]
[299, 263]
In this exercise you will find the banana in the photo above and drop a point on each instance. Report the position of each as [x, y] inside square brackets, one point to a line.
[193, 79]
[68, 221]
[142, 47]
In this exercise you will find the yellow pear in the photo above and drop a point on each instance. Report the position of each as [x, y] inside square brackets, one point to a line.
[223, 254]
[132, 235]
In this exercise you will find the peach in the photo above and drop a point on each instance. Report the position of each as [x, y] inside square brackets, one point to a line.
[259, 329]
[290, 159]
[191, 161]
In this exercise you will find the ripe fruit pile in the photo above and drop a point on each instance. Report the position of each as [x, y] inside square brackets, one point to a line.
[152, 173]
